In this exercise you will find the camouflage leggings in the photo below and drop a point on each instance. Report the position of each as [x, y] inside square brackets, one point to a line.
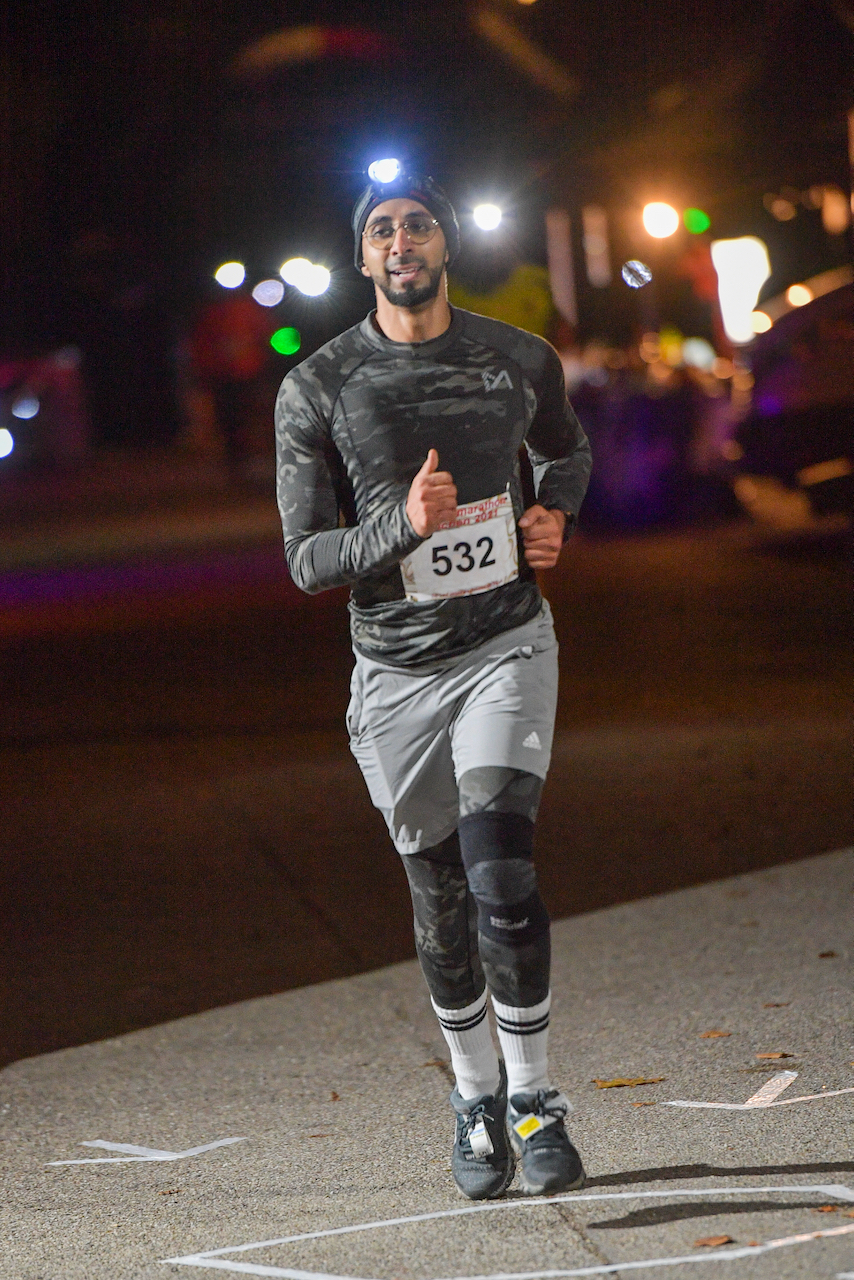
[479, 918]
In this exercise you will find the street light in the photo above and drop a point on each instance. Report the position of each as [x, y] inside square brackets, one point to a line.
[743, 267]
[487, 216]
[230, 275]
[660, 220]
[309, 277]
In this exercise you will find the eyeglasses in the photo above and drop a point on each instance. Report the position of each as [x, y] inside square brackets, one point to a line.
[419, 229]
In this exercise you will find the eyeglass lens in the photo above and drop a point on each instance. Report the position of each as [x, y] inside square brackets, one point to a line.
[418, 230]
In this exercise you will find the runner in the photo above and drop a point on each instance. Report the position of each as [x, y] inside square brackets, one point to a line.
[398, 474]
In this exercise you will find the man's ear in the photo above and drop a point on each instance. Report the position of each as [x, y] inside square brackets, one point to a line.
[364, 270]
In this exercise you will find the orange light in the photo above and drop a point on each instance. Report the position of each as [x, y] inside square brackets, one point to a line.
[660, 220]
[798, 295]
[761, 322]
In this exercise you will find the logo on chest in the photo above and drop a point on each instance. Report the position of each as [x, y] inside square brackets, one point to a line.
[495, 381]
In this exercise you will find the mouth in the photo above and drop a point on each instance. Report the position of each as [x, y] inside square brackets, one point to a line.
[405, 273]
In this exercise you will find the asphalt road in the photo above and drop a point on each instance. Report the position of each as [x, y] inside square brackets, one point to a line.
[183, 826]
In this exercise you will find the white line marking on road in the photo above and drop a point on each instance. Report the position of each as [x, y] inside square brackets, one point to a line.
[214, 1259]
[142, 1154]
[720, 1255]
[766, 1096]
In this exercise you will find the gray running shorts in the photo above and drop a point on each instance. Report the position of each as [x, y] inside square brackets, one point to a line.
[414, 733]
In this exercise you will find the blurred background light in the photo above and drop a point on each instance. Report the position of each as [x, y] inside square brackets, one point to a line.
[384, 170]
[698, 353]
[761, 322]
[835, 211]
[798, 295]
[7, 442]
[594, 223]
[286, 341]
[487, 216]
[696, 221]
[780, 208]
[636, 274]
[743, 267]
[26, 406]
[660, 220]
[268, 293]
[309, 277]
[230, 275]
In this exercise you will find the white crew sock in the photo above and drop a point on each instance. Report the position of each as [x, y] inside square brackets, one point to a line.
[473, 1057]
[524, 1037]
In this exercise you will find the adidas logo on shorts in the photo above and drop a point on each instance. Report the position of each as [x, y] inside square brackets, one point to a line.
[533, 741]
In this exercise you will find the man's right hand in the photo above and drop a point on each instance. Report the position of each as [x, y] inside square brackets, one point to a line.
[432, 499]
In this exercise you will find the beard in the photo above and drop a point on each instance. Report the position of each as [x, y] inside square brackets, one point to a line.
[411, 295]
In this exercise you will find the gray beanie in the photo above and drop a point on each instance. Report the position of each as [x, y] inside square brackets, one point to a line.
[416, 187]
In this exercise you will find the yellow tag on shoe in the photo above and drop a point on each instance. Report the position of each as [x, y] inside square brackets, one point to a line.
[527, 1125]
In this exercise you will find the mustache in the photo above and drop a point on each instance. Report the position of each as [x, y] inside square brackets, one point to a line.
[406, 260]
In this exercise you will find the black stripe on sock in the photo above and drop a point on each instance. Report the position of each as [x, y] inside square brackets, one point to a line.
[522, 1028]
[468, 1024]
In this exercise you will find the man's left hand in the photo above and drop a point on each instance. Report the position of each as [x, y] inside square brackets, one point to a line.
[542, 533]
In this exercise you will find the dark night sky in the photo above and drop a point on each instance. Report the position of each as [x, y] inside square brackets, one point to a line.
[129, 122]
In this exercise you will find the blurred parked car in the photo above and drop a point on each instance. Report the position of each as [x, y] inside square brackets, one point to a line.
[794, 451]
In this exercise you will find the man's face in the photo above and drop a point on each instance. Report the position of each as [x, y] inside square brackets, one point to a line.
[408, 274]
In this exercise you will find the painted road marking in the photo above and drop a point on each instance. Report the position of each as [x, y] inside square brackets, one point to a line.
[141, 1154]
[215, 1260]
[766, 1096]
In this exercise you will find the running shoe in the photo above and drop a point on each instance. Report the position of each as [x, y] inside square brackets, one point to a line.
[482, 1162]
[548, 1160]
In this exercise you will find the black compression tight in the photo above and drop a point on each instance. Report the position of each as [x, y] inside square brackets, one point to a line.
[479, 917]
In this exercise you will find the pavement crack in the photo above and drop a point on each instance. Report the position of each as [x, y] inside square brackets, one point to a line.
[580, 1229]
[356, 962]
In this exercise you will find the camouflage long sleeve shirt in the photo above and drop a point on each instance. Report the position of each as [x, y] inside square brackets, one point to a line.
[354, 423]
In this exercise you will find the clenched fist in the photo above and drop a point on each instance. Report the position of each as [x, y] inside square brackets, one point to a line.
[542, 534]
[432, 498]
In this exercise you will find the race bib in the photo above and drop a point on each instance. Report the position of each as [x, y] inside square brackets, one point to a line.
[476, 553]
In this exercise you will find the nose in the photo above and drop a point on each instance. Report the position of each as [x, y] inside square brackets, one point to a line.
[401, 239]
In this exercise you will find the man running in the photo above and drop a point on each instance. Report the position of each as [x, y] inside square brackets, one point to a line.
[398, 474]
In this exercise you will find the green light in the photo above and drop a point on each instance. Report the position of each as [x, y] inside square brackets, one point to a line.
[696, 221]
[286, 341]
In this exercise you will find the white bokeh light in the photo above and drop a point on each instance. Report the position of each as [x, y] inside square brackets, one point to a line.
[487, 216]
[26, 406]
[268, 293]
[309, 277]
[660, 220]
[384, 170]
[230, 275]
[7, 442]
[743, 267]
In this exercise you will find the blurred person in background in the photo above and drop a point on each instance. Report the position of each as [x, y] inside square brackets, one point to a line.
[398, 474]
[229, 352]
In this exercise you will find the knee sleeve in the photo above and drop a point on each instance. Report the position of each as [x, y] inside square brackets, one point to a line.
[445, 921]
[497, 853]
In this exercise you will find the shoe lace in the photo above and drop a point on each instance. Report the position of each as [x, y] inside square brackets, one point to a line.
[471, 1121]
[548, 1103]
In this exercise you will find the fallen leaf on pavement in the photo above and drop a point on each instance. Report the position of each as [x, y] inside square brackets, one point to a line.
[711, 1242]
[775, 1055]
[435, 1062]
[777, 1004]
[318, 1135]
[827, 1208]
[827, 955]
[650, 1103]
[714, 1035]
[334, 1097]
[627, 1082]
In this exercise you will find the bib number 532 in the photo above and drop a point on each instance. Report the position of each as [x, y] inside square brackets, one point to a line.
[478, 552]
[442, 563]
